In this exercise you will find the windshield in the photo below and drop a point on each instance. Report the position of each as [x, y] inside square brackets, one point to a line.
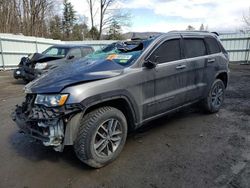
[123, 53]
[56, 51]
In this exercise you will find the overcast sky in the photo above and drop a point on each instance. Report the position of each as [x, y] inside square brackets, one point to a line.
[166, 15]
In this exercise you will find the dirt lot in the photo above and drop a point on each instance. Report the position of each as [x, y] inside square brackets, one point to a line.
[186, 149]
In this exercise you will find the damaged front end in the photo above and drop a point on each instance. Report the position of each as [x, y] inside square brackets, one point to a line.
[47, 124]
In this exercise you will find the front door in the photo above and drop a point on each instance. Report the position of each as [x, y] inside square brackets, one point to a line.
[171, 75]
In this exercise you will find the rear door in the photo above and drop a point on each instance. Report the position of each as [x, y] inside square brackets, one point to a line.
[196, 55]
[213, 59]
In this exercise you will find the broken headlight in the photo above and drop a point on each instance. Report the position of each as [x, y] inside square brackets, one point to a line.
[51, 100]
[41, 66]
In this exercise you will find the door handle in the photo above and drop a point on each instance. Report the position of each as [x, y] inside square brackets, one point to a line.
[211, 60]
[181, 67]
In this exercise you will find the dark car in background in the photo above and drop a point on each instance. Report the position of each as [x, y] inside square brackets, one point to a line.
[35, 64]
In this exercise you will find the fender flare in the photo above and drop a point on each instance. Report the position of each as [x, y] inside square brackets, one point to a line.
[73, 124]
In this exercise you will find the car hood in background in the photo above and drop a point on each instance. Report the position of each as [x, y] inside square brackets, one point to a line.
[37, 57]
[72, 73]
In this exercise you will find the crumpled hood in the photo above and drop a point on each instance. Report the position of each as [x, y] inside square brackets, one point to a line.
[37, 57]
[72, 73]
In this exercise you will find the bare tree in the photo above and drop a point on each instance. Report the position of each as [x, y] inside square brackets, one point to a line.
[104, 5]
[246, 19]
[93, 13]
[25, 16]
[107, 15]
[91, 7]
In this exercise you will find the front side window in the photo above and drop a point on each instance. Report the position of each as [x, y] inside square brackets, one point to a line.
[56, 51]
[75, 52]
[194, 48]
[86, 51]
[168, 51]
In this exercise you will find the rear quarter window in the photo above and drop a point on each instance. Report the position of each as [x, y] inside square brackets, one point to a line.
[194, 47]
[212, 45]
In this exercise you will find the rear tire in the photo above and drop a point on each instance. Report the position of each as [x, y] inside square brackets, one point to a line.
[215, 98]
[101, 136]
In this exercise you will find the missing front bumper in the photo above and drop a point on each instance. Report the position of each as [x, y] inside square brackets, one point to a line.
[49, 132]
[44, 124]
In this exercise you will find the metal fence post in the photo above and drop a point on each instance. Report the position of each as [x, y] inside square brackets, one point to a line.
[248, 51]
[1, 49]
[36, 46]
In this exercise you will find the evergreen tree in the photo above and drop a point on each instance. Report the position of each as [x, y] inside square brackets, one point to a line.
[79, 31]
[190, 28]
[93, 33]
[114, 32]
[55, 27]
[69, 19]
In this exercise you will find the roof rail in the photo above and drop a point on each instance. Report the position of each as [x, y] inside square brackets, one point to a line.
[195, 31]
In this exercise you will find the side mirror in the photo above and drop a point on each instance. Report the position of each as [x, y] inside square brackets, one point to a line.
[71, 57]
[151, 62]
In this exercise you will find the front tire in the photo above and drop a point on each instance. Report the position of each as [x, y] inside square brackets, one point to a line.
[215, 97]
[101, 136]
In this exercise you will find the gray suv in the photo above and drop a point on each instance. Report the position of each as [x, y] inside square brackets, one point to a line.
[93, 103]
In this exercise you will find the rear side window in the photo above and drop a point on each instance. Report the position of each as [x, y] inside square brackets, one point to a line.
[168, 51]
[194, 48]
[212, 45]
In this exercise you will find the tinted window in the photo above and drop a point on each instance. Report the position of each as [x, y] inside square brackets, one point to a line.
[76, 52]
[168, 51]
[194, 48]
[86, 51]
[213, 46]
[56, 51]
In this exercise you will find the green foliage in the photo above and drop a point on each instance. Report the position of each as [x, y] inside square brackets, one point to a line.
[79, 31]
[69, 19]
[114, 32]
[93, 33]
[55, 27]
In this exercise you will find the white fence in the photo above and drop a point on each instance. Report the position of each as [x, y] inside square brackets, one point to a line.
[237, 46]
[13, 47]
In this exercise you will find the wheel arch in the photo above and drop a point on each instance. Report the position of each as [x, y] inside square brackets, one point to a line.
[223, 76]
[122, 102]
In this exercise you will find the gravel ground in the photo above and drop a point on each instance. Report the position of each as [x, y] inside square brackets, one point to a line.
[185, 149]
